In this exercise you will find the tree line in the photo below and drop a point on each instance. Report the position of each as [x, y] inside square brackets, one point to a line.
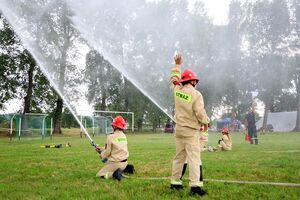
[258, 50]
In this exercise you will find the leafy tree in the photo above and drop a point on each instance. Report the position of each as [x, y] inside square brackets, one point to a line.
[9, 52]
[234, 74]
[21, 78]
[62, 38]
[155, 116]
[28, 62]
[267, 29]
[287, 101]
[295, 60]
[68, 119]
[104, 82]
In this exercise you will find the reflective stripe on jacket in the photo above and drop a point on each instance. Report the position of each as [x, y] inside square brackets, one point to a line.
[116, 147]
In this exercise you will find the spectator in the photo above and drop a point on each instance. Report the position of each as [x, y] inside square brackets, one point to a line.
[251, 126]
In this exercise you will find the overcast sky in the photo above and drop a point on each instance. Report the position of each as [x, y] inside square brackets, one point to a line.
[217, 10]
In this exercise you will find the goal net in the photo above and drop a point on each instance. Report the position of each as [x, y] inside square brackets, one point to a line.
[31, 125]
[100, 122]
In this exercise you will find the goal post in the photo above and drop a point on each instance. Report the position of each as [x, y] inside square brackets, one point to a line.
[31, 124]
[117, 112]
[99, 121]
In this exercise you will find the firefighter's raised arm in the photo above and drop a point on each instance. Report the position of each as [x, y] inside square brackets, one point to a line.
[178, 59]
[176, 71]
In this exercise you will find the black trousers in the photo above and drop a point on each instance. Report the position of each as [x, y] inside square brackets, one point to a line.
[253, 134]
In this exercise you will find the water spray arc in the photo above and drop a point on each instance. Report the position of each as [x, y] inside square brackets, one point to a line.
[12, 18]
[33, 31]
[80, 22]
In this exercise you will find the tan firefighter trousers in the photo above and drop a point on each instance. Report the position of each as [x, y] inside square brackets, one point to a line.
[187, 148]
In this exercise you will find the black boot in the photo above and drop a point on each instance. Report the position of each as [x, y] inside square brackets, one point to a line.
[129, 169]
[201, 174]
[183, 170]
[251, 141]
[118, 174]
[176, 187]
[197, 191]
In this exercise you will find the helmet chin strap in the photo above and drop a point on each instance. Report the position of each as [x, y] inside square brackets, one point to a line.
[192, 83]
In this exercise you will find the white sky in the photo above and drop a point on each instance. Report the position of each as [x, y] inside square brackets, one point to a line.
[12, 106]
[217, 10]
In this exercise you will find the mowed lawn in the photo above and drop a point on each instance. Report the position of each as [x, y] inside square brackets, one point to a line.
[30, 172]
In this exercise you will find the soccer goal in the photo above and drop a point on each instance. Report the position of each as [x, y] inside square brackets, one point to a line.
[5, 124]
[100, 121]
[128, 116]
[31, 125]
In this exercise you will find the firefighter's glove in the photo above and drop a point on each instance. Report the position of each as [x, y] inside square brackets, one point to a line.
[205, 127]
[99, 149]
[201, 128]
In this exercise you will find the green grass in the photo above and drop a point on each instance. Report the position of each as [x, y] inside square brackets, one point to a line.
[30, 172]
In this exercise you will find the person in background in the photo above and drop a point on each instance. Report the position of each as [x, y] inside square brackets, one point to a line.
[203, 139]
[190, 115]
[225, 144]
[115, 153]
[251, 126]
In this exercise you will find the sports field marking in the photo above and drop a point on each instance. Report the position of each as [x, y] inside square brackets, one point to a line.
[230, 181]
[254, 182]
[286, 151]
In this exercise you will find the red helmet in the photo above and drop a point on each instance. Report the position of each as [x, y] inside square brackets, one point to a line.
[119, 122]
[225, 130]
[188, 75]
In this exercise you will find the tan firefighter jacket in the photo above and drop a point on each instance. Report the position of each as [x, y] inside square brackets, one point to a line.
[116, 147]
[189, 104]
[226, 139]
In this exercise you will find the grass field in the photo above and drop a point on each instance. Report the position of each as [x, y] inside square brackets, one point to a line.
[30, 172]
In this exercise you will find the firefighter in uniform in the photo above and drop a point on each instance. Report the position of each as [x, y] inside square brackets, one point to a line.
[189, 116]
[115, 151]
[225, 144]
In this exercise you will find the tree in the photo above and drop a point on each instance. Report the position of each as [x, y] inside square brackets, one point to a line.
[28, 60]
[104, 82]
[267, 28]
[50, 38]
[20, 77]
[63, 36]
[9, 53]
[295, 60]
[234, 76]
[137, 103]
[155, 116]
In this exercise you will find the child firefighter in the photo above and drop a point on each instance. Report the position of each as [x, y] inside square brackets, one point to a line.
[115, 151]
[189, 116]
[225, 144]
